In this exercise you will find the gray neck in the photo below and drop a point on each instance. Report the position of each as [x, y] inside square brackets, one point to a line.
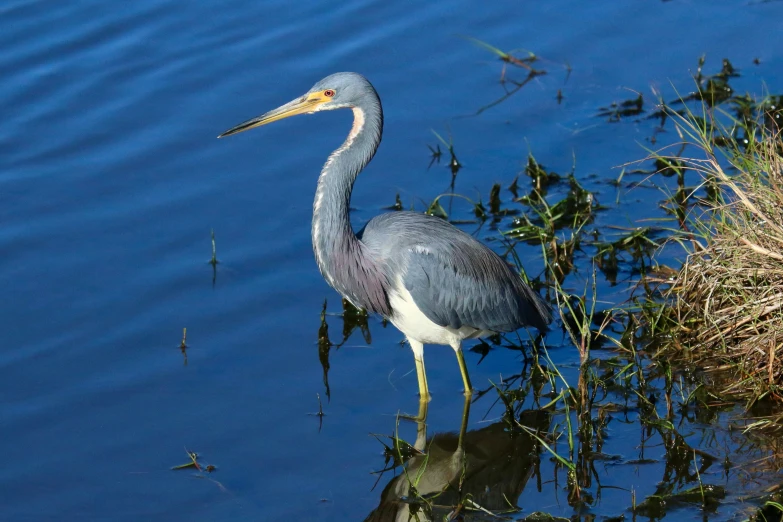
[341, 257]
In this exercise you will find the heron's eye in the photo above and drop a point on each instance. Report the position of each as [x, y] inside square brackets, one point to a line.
[328, 93]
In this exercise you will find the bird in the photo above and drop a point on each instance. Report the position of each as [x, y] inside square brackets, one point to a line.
[432, 281]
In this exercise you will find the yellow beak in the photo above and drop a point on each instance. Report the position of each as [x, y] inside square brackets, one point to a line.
[306, 104]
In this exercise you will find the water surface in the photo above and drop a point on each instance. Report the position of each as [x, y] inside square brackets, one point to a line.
[112, 179]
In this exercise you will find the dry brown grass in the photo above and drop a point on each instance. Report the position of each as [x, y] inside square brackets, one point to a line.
[727, 299]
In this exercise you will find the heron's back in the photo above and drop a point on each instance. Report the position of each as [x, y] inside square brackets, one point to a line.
[455, 280]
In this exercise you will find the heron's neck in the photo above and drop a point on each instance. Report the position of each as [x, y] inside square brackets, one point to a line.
[333, 196]
[342, 258]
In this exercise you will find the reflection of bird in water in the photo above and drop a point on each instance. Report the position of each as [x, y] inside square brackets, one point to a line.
[489, 466]
[434, 282]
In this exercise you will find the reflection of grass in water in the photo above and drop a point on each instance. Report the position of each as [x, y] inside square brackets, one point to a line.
[353, 318]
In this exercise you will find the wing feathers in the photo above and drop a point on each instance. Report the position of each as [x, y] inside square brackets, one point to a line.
[454, 279]
[472, 288]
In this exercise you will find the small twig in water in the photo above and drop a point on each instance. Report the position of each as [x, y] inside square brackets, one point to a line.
[183, 346]
[320, 413]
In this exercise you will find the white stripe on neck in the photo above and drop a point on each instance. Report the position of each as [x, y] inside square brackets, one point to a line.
[356, 128]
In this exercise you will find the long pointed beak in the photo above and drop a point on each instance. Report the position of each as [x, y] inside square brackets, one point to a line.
[306, 104]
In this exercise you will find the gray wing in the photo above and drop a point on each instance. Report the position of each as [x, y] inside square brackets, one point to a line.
[453, 278]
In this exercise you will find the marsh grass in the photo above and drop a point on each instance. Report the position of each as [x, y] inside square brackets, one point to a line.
[213, 260]
[454, 164]
[183, 347]
[616, 111]
[195, 464]
[508, 58]
[726, 301]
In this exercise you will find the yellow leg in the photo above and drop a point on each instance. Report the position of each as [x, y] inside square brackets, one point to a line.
[421, 374]
[464, 371]
[424, 391]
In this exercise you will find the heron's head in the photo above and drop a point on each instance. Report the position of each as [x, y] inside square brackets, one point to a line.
[336, 91]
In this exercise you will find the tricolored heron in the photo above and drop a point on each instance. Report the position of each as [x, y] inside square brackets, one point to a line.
[432, 281]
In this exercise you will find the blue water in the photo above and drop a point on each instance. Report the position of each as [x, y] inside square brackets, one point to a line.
[111, 179]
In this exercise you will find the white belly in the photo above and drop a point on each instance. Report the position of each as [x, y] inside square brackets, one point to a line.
[416, 326]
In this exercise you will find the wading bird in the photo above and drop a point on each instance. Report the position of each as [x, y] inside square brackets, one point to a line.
[432, 281]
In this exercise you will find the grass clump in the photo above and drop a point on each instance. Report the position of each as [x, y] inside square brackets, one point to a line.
[725, 305]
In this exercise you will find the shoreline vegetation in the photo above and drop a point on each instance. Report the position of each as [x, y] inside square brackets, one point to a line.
[723, 309]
